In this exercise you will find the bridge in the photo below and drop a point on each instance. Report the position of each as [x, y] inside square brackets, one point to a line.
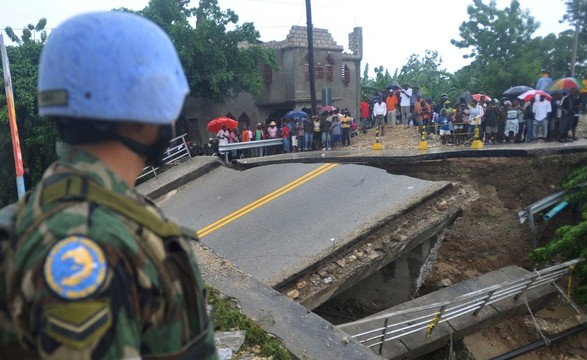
[304, 333]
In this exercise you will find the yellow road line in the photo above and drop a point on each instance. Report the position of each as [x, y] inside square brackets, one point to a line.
[265, 199]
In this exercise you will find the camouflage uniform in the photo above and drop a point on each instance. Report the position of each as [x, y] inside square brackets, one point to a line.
[89, 281]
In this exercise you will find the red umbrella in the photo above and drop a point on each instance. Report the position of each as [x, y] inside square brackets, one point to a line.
[327, 108]
[478, 97]
[216, 124]
[532, 94]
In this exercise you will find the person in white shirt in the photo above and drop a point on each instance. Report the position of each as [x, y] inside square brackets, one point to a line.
[223, 136]
[379, 112]
[405, 95]
[476, 113]
[541, 110]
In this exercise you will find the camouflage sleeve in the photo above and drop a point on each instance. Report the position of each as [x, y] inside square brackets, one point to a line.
[104, 289]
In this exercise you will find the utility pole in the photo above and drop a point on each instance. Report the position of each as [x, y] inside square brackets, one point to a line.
[575, 47]
[311, 55]
[578, 27]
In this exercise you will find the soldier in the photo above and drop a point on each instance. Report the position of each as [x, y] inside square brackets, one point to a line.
[94, 270]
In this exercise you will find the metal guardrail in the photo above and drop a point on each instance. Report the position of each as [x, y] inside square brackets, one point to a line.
[225, 148]
[528, 212]
[392, 326]
[176, 151]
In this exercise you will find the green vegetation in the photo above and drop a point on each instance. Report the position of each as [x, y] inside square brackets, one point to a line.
[229, 68]
[570, 241]
[227, 317]
[37, 136]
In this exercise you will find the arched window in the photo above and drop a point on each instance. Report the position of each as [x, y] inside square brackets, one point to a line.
[346, 75]
[329, 68]
[244, 119]
[318, 70]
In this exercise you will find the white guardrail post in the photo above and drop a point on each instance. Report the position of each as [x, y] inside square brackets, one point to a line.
[174, 152]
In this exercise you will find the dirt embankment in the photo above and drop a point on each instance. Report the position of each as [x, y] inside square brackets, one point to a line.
[489, 235]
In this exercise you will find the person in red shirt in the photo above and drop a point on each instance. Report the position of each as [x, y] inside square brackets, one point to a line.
[286, 139]
[365, 114]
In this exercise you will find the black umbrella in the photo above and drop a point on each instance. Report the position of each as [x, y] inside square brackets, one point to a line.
[467, 96]
[393, 85]
[517, 90]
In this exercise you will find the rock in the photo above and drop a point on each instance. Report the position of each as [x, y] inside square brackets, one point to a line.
[301, 284]
[442, 205]
[331, 268]
[224, 354]
[232, 340]
[293, 294]
[315, 279]
[445, 282]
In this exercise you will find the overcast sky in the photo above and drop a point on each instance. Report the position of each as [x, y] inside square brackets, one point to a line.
[392, 30]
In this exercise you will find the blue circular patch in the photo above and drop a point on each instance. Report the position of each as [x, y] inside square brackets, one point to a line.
[75, 267]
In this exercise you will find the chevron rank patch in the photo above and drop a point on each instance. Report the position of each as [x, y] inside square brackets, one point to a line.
[77, 324]
[75, 267]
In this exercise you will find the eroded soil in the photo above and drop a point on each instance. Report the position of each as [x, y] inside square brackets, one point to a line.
[489, 236]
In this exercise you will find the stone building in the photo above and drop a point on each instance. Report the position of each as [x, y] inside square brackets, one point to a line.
[336, 73]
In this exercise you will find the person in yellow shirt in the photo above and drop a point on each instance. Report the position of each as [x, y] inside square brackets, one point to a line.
[346, 128]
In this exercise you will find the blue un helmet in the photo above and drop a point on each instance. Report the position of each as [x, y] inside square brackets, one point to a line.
[112, 67]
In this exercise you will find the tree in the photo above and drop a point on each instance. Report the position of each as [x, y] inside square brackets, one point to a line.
[576, 15]
[37, 136]
[493, 33]
[29, 33]
[218, 62]
[570, 241]
[576, 12]
[501, 45]
[554, 53]
[426, 73]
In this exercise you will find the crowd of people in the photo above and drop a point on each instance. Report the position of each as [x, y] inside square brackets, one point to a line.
[508, 120]
[332, 129]
[550, 117]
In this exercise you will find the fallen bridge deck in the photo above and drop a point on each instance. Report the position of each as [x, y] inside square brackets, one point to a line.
[429, 322]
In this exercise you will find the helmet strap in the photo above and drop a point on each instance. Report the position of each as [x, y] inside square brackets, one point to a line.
[154, 152]
[75, 132]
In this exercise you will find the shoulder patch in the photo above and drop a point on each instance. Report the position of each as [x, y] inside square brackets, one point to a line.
[75, 267]
[78, 324]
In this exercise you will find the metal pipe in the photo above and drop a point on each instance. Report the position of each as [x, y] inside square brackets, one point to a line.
[555, 210]
[530, 347]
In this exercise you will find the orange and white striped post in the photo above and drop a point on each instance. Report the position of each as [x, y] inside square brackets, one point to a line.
[12, 121]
